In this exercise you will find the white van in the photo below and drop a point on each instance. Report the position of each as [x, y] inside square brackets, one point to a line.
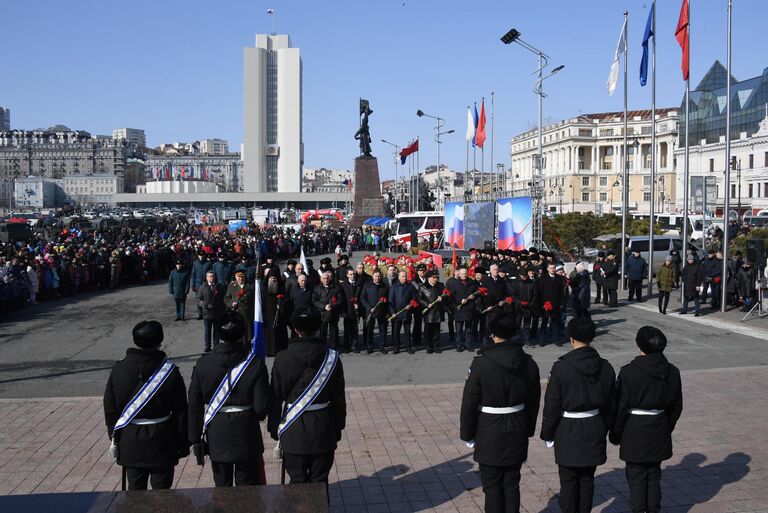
[662, 245]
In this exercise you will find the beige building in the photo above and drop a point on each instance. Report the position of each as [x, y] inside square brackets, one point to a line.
[582, 162]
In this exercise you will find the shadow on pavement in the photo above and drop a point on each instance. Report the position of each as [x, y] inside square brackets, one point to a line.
[675, 483]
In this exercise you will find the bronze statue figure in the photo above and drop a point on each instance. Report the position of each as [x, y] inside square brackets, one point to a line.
[363, 134]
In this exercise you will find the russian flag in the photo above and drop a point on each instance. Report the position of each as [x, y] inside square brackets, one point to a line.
[258, 346]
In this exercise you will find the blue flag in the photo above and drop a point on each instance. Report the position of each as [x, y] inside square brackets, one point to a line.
[474, 120]
[646, 37]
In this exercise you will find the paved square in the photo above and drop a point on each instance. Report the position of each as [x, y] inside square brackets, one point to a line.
[401, 452]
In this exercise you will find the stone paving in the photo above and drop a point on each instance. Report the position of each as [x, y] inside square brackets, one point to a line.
[401, 452]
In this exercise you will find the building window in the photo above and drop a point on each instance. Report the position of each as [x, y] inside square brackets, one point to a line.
[766, 159]
[647, 181]
[603, 196]
[765, 190]
[711, 165]
[603, 181]
[585, 196]
[751, 161]
[749, 191]
[647, 197]
[733, 190]
[585, 181]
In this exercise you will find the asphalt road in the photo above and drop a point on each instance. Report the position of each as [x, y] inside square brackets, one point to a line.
[66, 348]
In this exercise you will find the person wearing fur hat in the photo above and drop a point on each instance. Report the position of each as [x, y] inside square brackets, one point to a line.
[149, 443]
[578, 410]
[649, 403]
[239, 298]
[232, 439]
[499, 408]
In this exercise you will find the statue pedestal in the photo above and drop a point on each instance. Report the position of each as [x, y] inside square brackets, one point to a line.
[368, 199]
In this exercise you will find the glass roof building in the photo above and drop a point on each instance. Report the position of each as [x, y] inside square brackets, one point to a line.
[708, 103]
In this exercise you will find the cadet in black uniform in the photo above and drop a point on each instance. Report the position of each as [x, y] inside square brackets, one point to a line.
[650, 401]
[498, 413]
[309, 443]
[233, 437]
[151, 445]
[578, 410]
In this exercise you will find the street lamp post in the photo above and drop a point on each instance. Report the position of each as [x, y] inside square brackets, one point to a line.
[537, 189]
[440, 123]
[500, 177]
[397, 152]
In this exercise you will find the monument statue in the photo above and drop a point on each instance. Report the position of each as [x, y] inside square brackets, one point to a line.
[363, 134]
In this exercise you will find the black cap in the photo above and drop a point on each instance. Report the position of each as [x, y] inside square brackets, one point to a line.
[290, 261]
[431, 273]
[479, 270]
[421, 267]
[503, 326]
[343, 257]
[232, 328]
[601, 254]
[326, 261]
[148, 334]
[650, 340]
[306, 320]
[179, 262]
[582, 328]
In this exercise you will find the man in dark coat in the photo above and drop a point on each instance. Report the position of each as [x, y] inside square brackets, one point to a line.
[580, 295]
[578, 409]
[351, 313]
[497, 291]
[197, 278]
[597, 277]
[233, 438]
[402, 296]
[636, 269]
[712, 272]
[239, 297]
[609, 270]
[275, 309]
[210, 297]
[462, 294]
[178, 287]
[373, 300]
[308, 445]
[268, 265]
[691, 279]
[223, 269]
[341, 271]
[551, 296]
[300, 295]
[429, 294]
[151, 445]
[498, 413]
[649, 403]
[419, 281]
[329, 301]
[524, 292]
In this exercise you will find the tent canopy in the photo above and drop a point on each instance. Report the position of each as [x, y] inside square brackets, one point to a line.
[377, 221]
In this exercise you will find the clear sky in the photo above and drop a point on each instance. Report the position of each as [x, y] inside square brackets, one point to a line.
[174, 67]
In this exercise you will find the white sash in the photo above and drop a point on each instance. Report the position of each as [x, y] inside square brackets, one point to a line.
[307, 397]
[146, 393]
[225, 389]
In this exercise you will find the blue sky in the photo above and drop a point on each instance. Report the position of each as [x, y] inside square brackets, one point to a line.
[174, 67]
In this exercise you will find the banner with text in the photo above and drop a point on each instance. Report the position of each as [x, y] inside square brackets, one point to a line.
[479, 226]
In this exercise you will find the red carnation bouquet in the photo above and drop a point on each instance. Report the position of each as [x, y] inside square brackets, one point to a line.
[443, 295]
[509, 300]
[548, 306]
[412, 304]
[382, 301]
[506, 301]
[482, 291]
[279, 297]
[717, 279]
[241, 294]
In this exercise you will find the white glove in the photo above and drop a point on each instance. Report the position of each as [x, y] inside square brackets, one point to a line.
[471, 444]
[549, 443]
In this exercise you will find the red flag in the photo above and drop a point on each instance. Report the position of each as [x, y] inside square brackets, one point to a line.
[480, 134]
[454, 260]
[683, 38]
[411, 148]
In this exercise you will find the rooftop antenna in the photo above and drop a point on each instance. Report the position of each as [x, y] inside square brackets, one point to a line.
[271, 12]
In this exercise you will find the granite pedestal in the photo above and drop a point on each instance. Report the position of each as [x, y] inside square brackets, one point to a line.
[368, 200]
[298, 498]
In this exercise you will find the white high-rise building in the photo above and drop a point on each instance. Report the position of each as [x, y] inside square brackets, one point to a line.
[273, 150]
[132, 135]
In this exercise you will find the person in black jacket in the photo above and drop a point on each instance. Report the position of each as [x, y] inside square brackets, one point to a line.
[462, 297]
[578, 410]
[428, 294]
[233, 437]
[151, 445]
[498, 413]
[691, 278]
[649, 403]
[373, 299]
[401, 294]
[308, 445]
[551, 296]
[210, 297]
[609, 270]
[351, 287]
[328, 298]
[524, 292]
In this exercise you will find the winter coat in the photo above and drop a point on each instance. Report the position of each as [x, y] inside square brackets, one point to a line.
[745, 282]
[352, 296]
[650, 383]
[314, 432]
[400, 296]
[232, 436]
[331, 295]
[525, 295]
[580, 295]
[152, 445]
[299, 298]
[223, 271]
[552, 290]
[666, 278]
[502, 376]
[711, 267]
[462, 290]
[580, 381]
[211, 299]
[178, 284]
[369, 298]
[597, 276]
[199, 269]
[34, 279]
[427, 295]
[691, 279]
[610, 272]
[636, 268]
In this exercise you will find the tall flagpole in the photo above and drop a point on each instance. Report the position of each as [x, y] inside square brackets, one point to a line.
[653, 154]
[418, 178]
[466, 170]
[625, 172]
[686, 172]
[727, 188]
[493, 176]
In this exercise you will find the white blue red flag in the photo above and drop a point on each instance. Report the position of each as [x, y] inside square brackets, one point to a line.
[258, 346]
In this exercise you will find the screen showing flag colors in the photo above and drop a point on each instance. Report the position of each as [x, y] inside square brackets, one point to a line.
[479, 224]
[453, 221]
[515, 222]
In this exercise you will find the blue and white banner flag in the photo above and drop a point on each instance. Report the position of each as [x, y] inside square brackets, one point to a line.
[258, 346]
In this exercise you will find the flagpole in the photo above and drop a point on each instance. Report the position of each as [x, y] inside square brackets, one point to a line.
[466, 172]
[625, 172]
[727, 188]
[686, 172]
[418, 177]
[493, 177]
[474, 170]
[653, 152]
